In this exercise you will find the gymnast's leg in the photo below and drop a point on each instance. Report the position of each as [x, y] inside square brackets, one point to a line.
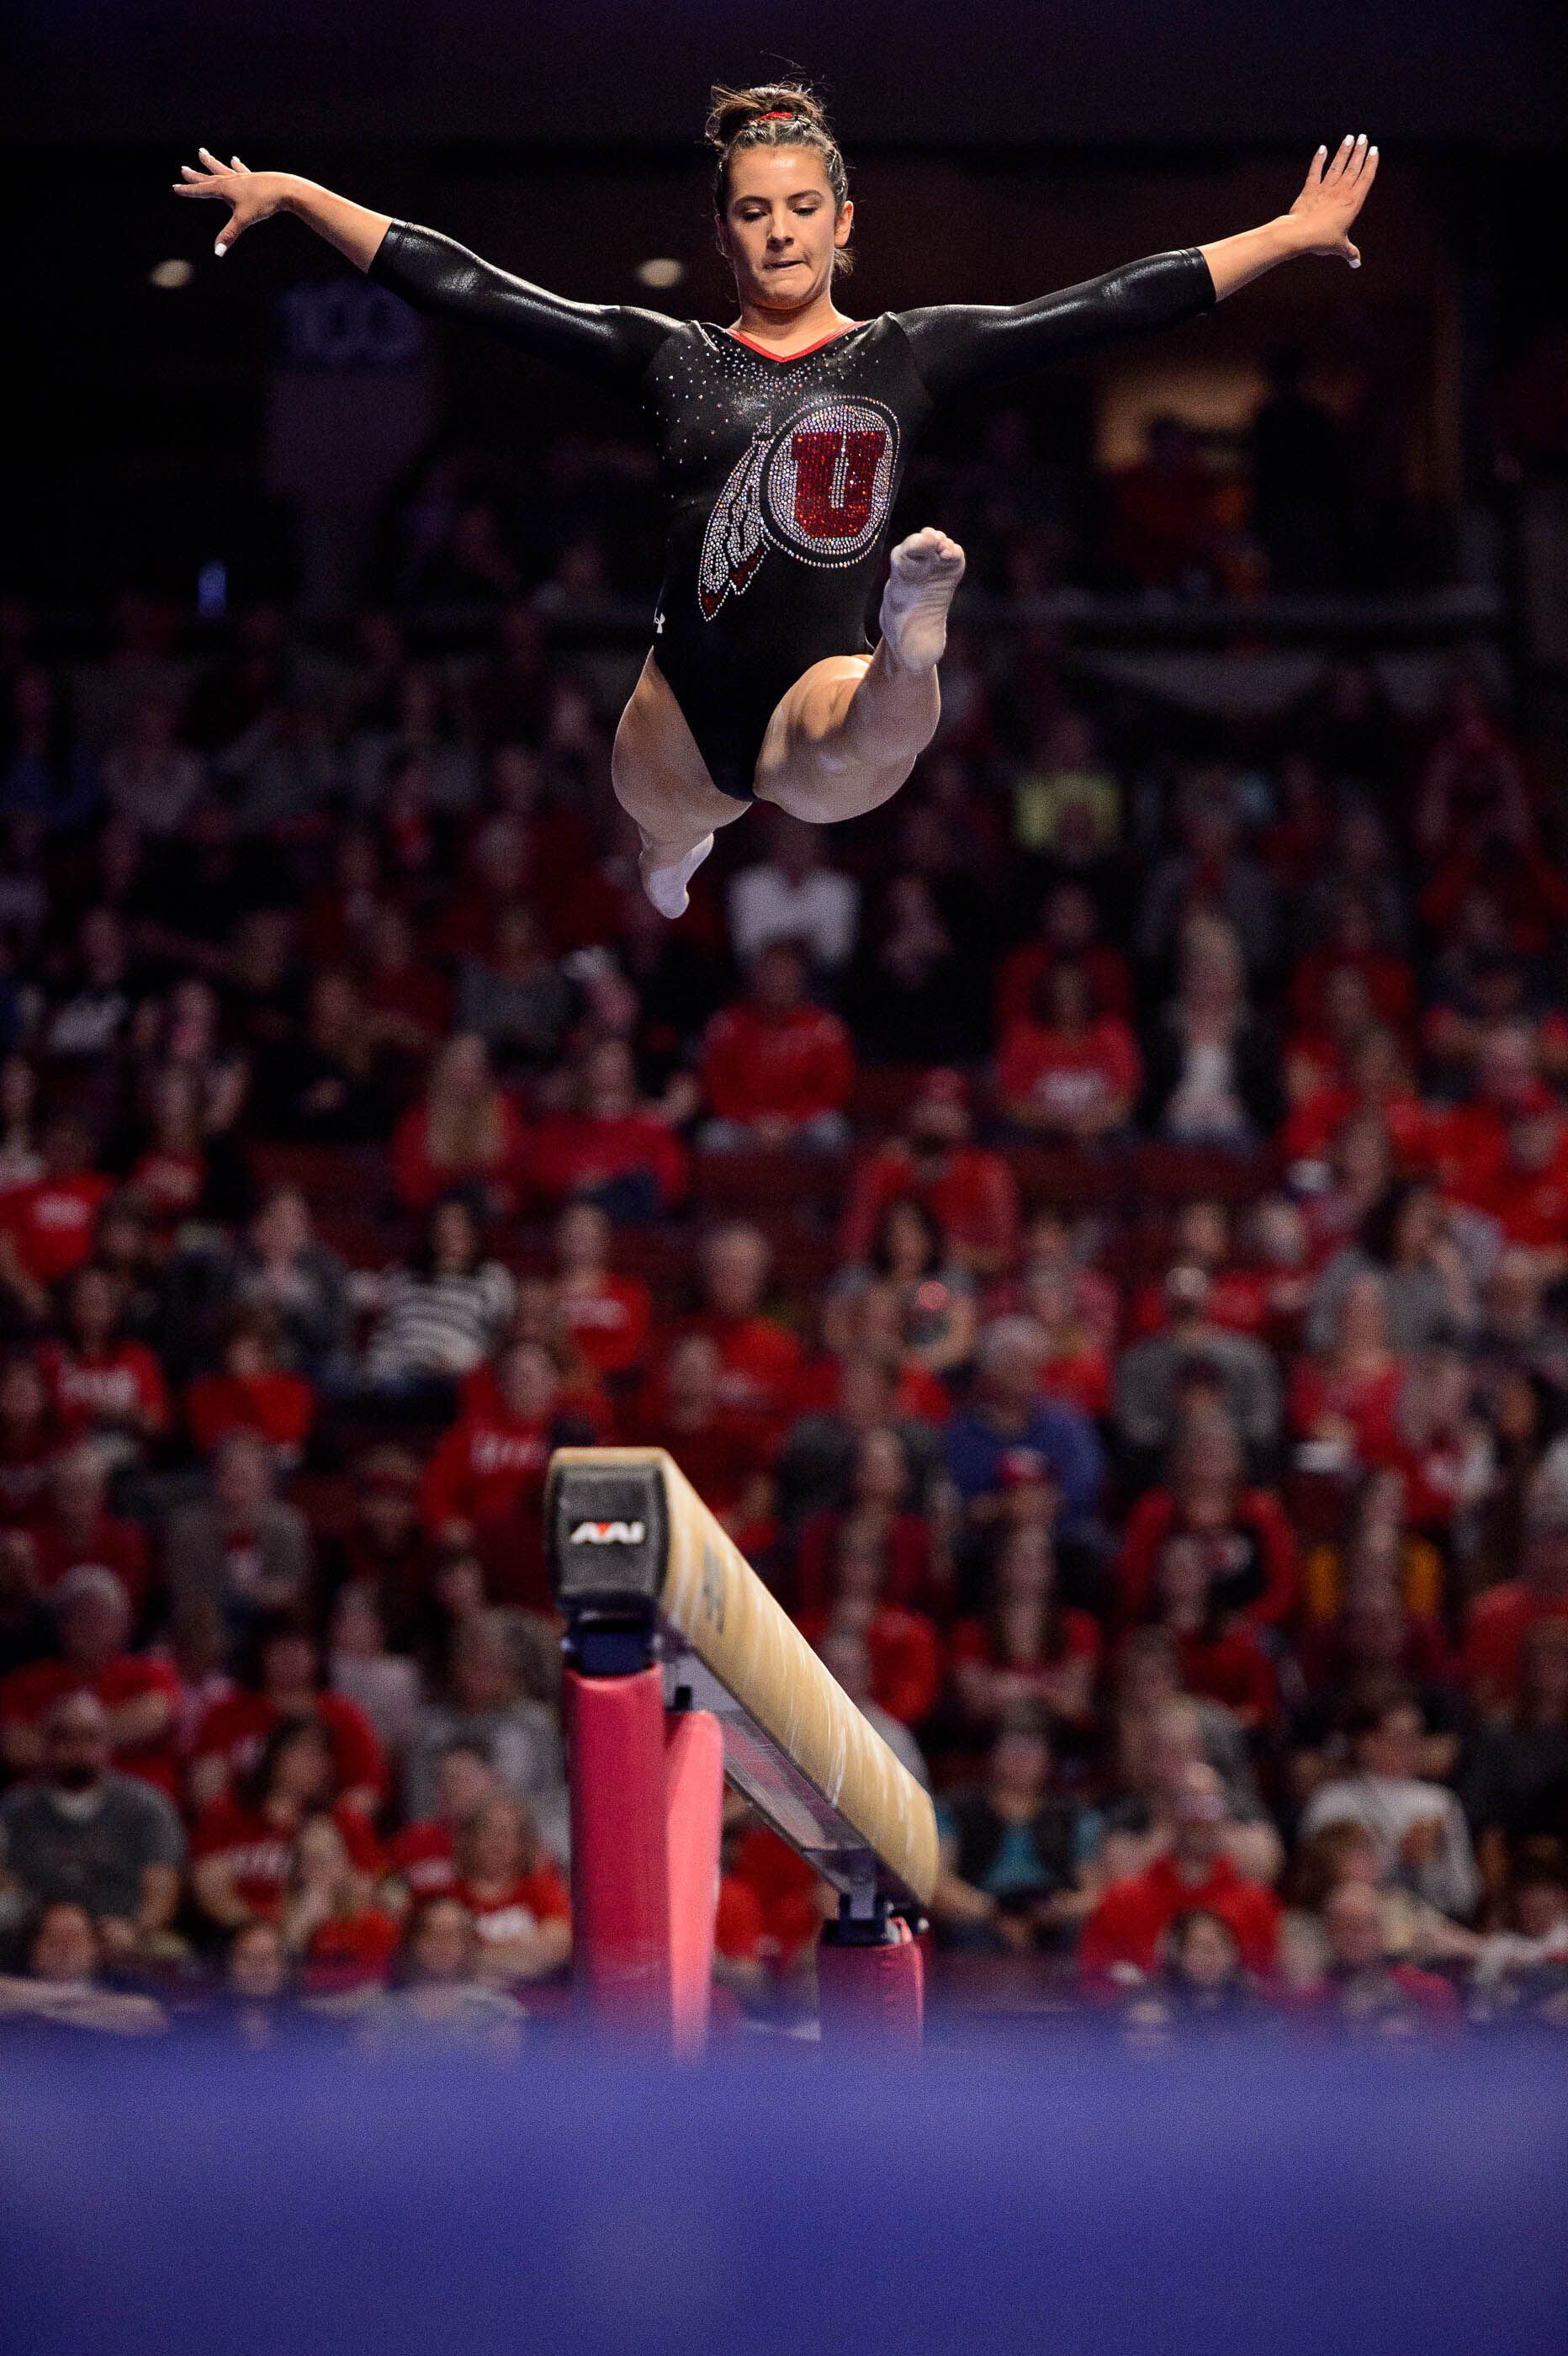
[662, 783]
[850, 729]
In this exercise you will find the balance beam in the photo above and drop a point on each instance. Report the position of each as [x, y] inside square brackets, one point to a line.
[666, 1619]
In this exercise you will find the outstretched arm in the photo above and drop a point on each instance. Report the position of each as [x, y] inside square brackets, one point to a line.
[252, 196]
[607, 344]
[1333, 193]
[965, 348]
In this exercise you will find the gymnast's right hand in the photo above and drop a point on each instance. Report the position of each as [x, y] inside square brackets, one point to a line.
[250, 196]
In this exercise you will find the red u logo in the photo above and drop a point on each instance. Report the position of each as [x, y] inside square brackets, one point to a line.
[817, 455]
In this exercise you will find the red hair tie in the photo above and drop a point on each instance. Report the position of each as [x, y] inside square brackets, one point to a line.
[779, 115]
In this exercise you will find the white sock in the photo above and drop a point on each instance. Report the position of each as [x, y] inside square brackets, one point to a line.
[922, 579]
[666, 886]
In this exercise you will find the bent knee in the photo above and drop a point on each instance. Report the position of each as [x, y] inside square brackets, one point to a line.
[825, 798]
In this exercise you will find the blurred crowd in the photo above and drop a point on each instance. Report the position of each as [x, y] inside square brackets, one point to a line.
[1096, 1232]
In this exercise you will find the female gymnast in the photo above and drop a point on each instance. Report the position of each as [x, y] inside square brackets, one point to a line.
[781, 440]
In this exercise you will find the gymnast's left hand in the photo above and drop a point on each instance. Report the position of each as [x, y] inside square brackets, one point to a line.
[250, 196]
[1333, 193]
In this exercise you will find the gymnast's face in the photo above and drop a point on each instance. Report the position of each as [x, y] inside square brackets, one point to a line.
[779, 230]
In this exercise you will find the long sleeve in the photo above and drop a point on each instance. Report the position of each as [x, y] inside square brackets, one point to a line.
[962, 347]
[607, 344]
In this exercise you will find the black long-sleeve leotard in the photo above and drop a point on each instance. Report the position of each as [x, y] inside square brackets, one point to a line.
[781, 473]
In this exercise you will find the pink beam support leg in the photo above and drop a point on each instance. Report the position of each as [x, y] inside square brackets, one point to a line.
[694, 1759]
[871, 1996]
[620, 1851]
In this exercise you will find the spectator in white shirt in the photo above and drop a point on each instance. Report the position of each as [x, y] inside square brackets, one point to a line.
[1423, 1841]
[794, 895]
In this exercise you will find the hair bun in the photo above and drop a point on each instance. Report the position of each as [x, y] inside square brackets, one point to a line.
[730, 111]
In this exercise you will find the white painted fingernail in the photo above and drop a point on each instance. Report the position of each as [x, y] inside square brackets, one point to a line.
[1347, 140]
[1356, 264]
[221, 250]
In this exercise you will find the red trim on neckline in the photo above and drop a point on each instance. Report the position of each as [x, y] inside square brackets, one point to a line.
[763, 352]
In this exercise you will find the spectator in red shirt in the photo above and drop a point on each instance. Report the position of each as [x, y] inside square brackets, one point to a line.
[243, 1851]
[608, 1145]
[342, 1940]
[777, 1070]
[1027, 1646]
[762, 1361]
[463, 1132]
[514, 1893]
[169, 1177]
[104, 1385]
[1436, 1442]
[1525, 1188]
[486, 1477]
[76, 1527]
[1322, 1053]
[902, 1646]
[1500, 1618]
[785, 1890]
[1074, 1367]
[721, 1450]
[1054, 1245]
[1123, 1936]
[1346, 1398]
[252, 1393]
[1240, 1532]
[1067, 932]
[93, 1613]
[606, 1314]
[880, 1489]
[1353, 944]
[967, 1189]
[46, 1228]
[1376, 1083]
[1467, 1145]
[283, 1683]
[1237, 1298]
[1221, 1659]
[869, 1332]
[424, 1856]
[1068, 1070]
